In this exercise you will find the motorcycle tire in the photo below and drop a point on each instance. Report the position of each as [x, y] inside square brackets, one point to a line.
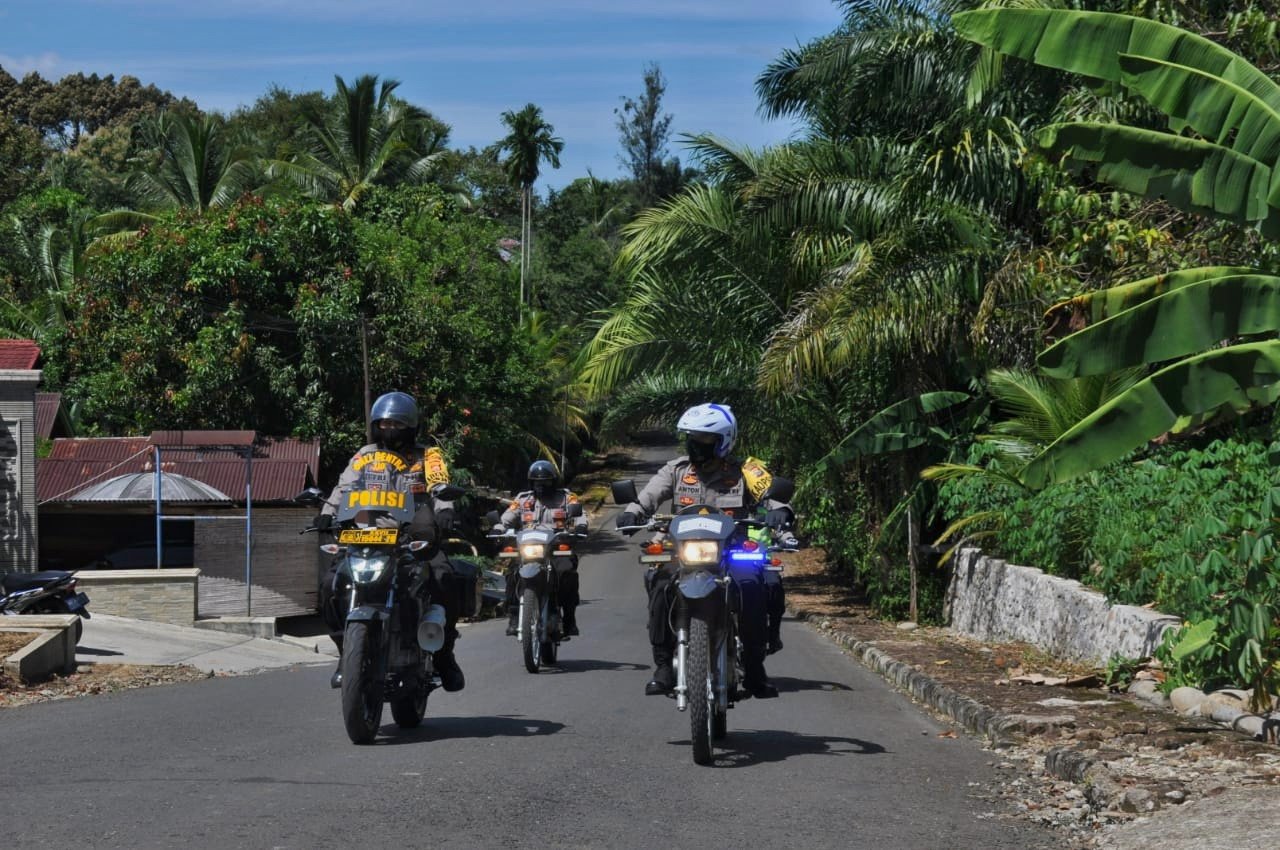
[548, 651]
[701, 710]
[361, 684]
[409, 711]
[530, 644]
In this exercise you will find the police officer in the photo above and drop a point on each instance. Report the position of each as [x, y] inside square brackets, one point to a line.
[545, 503]
[708, 474]
[395, 427]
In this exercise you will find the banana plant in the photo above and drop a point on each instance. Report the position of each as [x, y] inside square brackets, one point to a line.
[1229, 168]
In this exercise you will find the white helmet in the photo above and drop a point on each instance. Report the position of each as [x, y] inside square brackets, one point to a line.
[715, 419]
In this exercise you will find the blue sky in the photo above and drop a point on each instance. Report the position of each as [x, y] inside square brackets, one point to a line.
[466, 60]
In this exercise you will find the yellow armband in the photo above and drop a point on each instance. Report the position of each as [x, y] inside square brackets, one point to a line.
[757, 478]
[434, 469]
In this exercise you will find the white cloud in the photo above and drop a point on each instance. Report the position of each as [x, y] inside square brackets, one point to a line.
[46, 64]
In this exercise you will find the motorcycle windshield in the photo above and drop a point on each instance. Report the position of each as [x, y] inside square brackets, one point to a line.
[380, 500]
[702, 527]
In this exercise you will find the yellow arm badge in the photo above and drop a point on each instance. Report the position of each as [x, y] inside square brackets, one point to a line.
[756, 477]
[434, 468]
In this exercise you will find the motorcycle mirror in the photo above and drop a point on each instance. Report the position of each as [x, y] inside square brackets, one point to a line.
[310, 496]
[573, 510]
[492, 518]
[624, 492]
[448, 492]
[781, 489]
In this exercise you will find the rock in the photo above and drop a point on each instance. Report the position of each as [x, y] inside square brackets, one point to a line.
[1175, 796]
[1249, 724]
[1133, 727]
[907, 626]
[1224, 699]
[1033, 724]
[1186, 701]
[1144, 688]
[1138, 800]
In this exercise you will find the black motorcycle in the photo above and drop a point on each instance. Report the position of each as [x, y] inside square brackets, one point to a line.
[47, 592]
[392, 624]
[533, 551]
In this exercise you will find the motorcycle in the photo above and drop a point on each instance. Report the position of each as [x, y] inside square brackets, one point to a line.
[534, 550]
[392, 626]
[47, 592]
[708, 546]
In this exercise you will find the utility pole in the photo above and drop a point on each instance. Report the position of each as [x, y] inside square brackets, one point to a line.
[368, 399]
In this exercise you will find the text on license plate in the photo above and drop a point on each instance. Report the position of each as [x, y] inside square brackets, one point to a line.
[367, 535]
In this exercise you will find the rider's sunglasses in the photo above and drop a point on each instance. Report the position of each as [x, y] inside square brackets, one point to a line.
[697, 437]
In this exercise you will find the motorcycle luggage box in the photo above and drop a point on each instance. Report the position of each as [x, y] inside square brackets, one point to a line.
[467, 575]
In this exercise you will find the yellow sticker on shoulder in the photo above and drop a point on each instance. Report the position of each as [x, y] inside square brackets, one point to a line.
[434, 468]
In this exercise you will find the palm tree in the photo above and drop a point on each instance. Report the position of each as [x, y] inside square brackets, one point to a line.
[528, 144]
[190, 163]
[368, 136]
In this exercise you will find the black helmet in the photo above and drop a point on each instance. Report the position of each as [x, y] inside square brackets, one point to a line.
[543, 478]
[399, 413]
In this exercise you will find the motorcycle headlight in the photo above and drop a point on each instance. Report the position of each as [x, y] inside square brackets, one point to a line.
[533, 551]
[698, 553]
[366, 569]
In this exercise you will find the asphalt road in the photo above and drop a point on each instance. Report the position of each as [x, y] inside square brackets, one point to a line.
[575, 756]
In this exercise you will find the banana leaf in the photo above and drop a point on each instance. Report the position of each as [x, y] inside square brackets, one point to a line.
[1077, 313]
[1233, 377]
[1090, 43]
[1217, 109]
[1175, 324]
[1193, 175]
[898, 427]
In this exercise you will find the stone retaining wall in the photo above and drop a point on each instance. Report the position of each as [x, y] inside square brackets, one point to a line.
[992, 600]
[165, 596]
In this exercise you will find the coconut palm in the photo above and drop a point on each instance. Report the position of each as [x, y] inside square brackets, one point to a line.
[190, 162]
[529, 142]
[367, 136]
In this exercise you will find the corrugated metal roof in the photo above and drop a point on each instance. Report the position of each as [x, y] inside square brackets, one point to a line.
[18, 354]
[57, 479]
[141, 487]
[47, 413]
[203, 439]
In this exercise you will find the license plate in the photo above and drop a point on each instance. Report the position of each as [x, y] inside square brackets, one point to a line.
[367, 535]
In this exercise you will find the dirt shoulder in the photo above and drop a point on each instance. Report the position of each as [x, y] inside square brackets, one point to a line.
[1090, 759]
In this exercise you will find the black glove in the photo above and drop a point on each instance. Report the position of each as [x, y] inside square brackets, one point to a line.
[627, 518]
[324, 522]
[779, 518]
[445, 519]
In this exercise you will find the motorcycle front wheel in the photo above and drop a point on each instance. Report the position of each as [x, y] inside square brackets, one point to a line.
[408, 711]
[549, 616]
[701, 711]
[530, 644]
[361, 685]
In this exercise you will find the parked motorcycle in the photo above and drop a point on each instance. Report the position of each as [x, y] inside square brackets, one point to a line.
[708, 546]
[534, 550]
[47, 592]
[392, 625]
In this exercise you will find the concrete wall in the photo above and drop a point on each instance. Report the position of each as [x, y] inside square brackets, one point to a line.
[52, 648]
[165, 596]
[992, 600]
[18, 530]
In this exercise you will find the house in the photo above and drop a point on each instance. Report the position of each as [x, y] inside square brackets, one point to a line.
[18, 518]
[218, 488]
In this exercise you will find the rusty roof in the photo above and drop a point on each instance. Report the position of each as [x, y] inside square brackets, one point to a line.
[47, 405]
[282, 467]
[18, 354]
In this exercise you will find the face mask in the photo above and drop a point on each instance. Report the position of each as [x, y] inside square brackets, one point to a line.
[700, 452]
[393, 438]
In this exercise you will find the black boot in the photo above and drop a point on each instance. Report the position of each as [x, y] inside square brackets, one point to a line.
[664, 677]
[755, 682]
[775, 642]
[449, 671]
[513, 622]
[571, 621]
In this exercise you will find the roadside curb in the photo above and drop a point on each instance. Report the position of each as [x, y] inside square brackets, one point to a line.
[1064, 763]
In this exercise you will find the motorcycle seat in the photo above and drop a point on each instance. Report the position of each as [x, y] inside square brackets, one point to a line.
[17, 582]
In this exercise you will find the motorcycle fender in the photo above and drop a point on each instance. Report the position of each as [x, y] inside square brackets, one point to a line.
[367, 614]
[530, 570]
[697, 585]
